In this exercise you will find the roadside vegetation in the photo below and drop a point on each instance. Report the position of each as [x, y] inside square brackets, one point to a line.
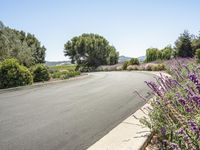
[24, 47]
[13, 74]
[89, 51]
[63, 71]
[174, 115]
[186, 46]
[22, 60]
[174, 112]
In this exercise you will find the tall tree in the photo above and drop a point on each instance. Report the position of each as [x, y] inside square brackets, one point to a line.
[196, 43]
[113, 56]
[90, 50]
[167, 52]
[24, 47]
[151, 54]
[183, 45]
[38, 51]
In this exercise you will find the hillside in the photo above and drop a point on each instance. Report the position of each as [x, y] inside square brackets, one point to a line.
[57, 63]
[125, 58]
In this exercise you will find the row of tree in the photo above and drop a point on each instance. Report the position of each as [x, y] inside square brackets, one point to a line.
[153, 54]
[185, 46]
[25, 47]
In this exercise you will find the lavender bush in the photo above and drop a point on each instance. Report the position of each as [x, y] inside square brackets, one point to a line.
[175, 116]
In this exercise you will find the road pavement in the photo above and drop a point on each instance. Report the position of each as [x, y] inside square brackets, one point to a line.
[70, 115]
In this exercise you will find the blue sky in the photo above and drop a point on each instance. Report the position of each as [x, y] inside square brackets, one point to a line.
[131, 26]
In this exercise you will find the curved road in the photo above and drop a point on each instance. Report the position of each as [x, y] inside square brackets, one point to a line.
[70, 115]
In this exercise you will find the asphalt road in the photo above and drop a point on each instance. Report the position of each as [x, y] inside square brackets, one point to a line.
[70, 115]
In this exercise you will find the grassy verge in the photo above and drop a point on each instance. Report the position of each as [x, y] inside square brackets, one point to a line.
[63, 72]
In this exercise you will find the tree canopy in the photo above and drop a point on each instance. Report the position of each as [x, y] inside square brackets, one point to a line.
[151, 54]
[24, 47]
[90, 50]
[167, 52]
[196, 43]
[183, 45]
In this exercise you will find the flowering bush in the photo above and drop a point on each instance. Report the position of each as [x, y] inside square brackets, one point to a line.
[175, 112]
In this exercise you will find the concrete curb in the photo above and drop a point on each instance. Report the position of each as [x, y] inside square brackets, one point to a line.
[129, 134]
[41, 84]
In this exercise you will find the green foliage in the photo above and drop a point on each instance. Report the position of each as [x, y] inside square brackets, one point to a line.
[183, 45]
[133, 67]
[159, 55]
[134, 61]
[113, 56]
[40, 73]
[63, 71]
[24, 47]
[38, 51]
[125, 65]
[71, 74]
[12, 74]
[90, 50]
[151, 54]
[197, 55]
[155, 67]
[64, 67]
[64, 74]
[196, 43]
[167, 53]
[173, 115]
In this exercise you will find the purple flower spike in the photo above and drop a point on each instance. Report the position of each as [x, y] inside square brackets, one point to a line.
[194, 127]
[163, 131]
[195, 80]
[174, 146]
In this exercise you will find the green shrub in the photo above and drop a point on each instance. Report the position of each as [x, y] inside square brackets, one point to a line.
[133, 67]
[129, 68]
[125, 65]
[40, 73]
[71, 67]
[13, 74]
[119, 68]
[64, 74]
[154, 67]
[148, 67]
[197, 55]
[56, 74]
[71, 74]
[161, 67]
[134, 61]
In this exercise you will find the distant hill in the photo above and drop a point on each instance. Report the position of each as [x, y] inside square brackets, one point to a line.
[123, 59]
[57, 63]
[142, 58]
